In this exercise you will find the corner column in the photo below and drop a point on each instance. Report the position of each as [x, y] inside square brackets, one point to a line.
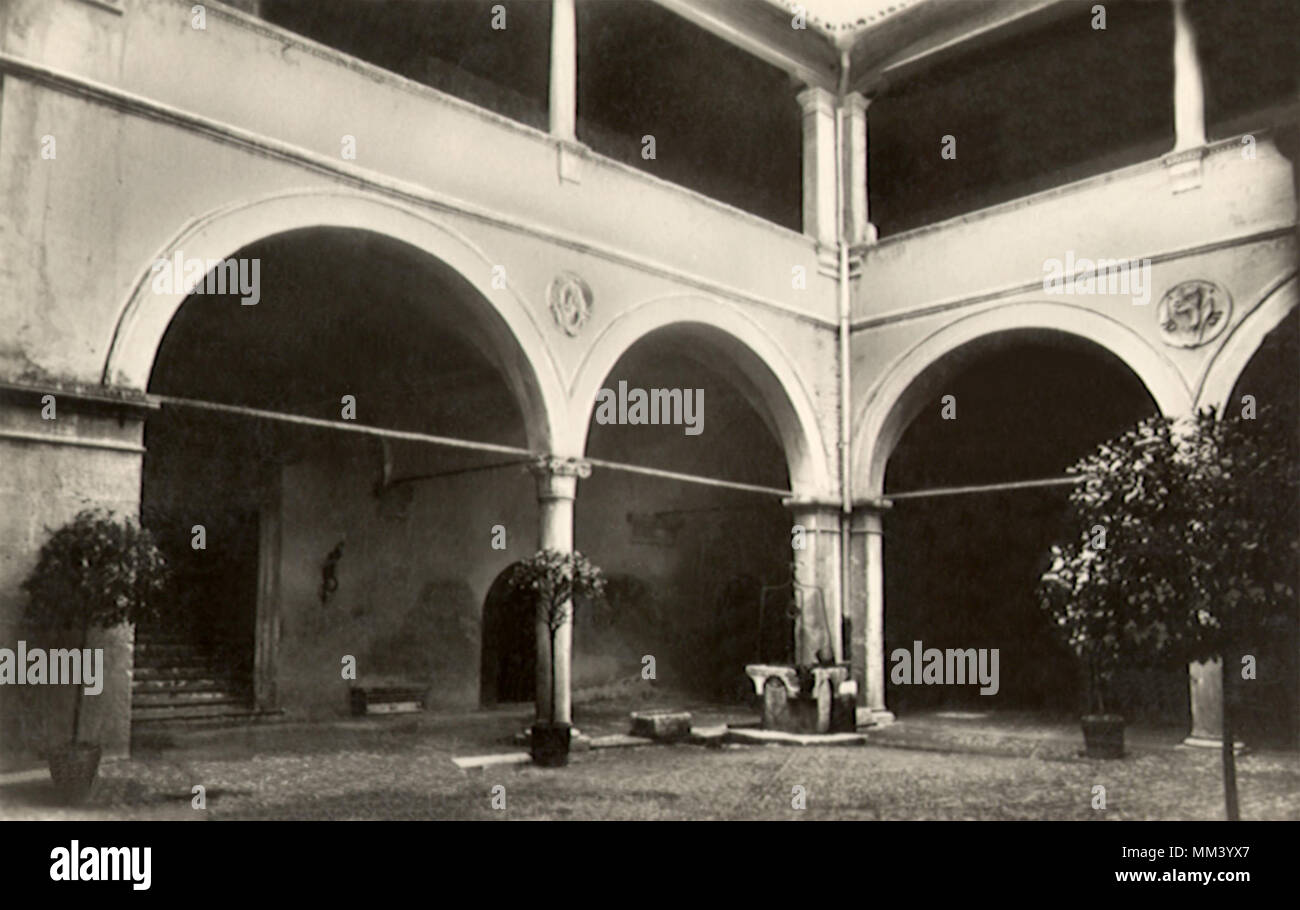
[817, 564]
[557, 487]
[867, 611]
[857, 217]
[819, 203]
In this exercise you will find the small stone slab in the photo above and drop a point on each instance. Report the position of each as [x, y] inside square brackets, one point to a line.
[487, 761]
[780, 737]
[617, 740]
[663, 725]
[709, 735]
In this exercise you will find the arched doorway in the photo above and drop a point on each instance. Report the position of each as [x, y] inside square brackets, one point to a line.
[508, 663]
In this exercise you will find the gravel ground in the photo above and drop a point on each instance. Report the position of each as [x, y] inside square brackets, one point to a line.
[395, 769]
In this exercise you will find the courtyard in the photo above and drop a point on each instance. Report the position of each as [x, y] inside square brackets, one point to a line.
[928, 766]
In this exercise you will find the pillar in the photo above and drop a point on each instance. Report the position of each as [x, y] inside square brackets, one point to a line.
[867, 611]
[564, 71]
[1189, 87]
[1184, 161]
[817, 564]
[857, 222]
[1205, 680]
[557, 487]
[819, 203]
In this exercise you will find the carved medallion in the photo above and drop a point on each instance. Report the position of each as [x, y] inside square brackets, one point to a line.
[571, 301]
[1193, 313]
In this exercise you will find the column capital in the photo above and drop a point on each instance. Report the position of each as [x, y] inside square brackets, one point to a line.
[816, 100]
[856, 103]
[867, 515]
[822, 514]
[557, 475]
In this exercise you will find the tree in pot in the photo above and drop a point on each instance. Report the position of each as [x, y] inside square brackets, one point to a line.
[556, 582]
[1202, 532]
[1078, 596]
[95, 572]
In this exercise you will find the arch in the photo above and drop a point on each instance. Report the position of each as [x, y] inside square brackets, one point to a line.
[1244, 340]
[530, 367]
[752, 351]
[896, 396]
[508, 644]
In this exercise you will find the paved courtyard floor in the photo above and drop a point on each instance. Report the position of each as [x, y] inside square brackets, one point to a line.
[930, 766]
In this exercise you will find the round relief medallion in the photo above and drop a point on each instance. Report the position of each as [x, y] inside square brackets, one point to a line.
[1193, 313]
[570, 300]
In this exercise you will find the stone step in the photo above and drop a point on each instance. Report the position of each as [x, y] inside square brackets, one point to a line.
[193, 713]
[165, 699]
[210, 671]
[184, 684]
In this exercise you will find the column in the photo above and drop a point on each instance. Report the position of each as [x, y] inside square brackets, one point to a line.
[819, 203]
[1189, 89]
[867, 611]
[1206, 683]
[857, 223]
[1184, 161]
[564, 71]
[820, 625]
[557, 487]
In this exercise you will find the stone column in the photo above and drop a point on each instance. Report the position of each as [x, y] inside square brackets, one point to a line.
[867, 611]
[1189, 87]
[819, 190]
[557, 487]
[1206, 683]
[817, 564]
[564, 71]
[857, 222]
[1183, 162]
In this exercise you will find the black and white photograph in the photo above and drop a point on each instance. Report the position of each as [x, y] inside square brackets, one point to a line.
[641, 411]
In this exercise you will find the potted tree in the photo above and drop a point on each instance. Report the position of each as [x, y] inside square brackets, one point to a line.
[95, 572]
[1076, 593]
[556, 582]
[1202, 544]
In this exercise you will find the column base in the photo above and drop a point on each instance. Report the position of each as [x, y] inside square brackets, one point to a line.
[1212, 742]
[874, 717]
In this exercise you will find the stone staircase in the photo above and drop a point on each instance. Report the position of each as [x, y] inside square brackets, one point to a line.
[177, 681]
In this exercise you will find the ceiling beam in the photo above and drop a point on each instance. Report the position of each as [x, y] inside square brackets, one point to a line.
[919, 37]
[764, 30]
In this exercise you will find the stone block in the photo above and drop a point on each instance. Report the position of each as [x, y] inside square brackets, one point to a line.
[662, 725]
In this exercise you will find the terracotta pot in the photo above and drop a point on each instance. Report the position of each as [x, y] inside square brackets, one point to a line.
[1103, 736]
[550, 744]
[73, 768]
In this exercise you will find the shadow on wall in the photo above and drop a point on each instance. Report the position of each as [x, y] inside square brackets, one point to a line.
[436, 641]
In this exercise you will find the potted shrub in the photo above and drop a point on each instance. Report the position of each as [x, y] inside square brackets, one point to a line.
[95, 572]
[1077, 595]
[556, 582]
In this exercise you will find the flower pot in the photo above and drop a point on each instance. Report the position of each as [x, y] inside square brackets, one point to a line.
[73, 768]
[1103, 736]
[550, 744]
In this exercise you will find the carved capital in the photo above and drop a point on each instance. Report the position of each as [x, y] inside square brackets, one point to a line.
[557, 476]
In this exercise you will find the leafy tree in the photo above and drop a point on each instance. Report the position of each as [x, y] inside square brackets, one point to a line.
[1200, 547]
[557, 582]
[96, 571]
